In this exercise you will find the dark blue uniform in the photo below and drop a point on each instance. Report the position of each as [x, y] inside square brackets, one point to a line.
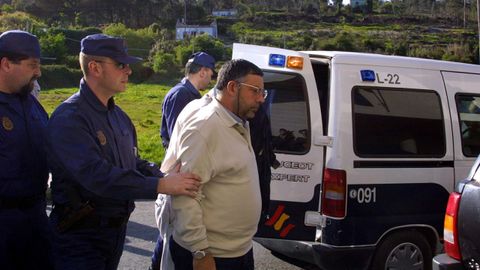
[93, 156]
[24, 228]
[176, 99]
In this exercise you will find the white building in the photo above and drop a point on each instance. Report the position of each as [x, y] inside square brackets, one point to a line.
[183, 30]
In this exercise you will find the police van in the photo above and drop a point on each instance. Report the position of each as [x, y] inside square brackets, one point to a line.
[370, 147]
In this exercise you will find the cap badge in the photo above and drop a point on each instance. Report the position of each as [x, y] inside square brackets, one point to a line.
[101, 137]
[7, 123]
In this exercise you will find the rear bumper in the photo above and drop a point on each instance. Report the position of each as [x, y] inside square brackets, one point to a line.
[445, 262]
[323, 256]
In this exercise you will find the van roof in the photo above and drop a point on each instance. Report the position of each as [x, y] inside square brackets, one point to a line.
[393, 61]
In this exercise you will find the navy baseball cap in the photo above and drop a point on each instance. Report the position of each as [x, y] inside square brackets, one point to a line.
[19, 43]
[203, 59]
[107, 46]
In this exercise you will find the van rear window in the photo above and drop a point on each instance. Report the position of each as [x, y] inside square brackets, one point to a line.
[397, 123]
[468, 107]
[286, 103]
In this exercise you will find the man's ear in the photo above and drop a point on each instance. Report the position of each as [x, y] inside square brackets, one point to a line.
[5, 64]
[94, 68]
[232, 88]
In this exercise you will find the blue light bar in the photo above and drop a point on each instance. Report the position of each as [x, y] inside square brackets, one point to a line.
[367, 75]
[277, 60]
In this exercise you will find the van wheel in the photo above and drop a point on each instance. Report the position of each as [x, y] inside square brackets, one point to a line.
[408, 250]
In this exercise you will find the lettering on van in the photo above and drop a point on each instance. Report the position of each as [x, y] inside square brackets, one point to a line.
[364, 195]
[389, 78]
[290, 177]
[296, 165]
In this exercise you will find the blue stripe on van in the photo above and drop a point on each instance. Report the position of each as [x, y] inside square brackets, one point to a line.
[395, 205]
[402, 164]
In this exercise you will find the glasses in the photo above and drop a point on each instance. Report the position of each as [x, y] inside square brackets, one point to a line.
[258, 91]
[117, 64]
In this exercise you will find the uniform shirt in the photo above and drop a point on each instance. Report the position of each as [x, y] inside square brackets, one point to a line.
[223, 218]
[23, 164]
[176, 99]
[93, 148]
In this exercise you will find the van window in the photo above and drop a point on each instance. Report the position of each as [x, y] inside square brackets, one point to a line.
[468, 107]
[397, 123]
[288, 112]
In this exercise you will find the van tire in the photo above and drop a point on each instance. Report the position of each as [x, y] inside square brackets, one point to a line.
[411, 243]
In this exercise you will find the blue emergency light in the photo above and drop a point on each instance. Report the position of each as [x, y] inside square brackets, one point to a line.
[277, 60]
[367, 75]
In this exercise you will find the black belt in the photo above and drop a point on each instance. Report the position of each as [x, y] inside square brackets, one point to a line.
[94, 221]
[20, 203]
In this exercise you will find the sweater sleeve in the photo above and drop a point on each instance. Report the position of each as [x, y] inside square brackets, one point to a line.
[195, 156]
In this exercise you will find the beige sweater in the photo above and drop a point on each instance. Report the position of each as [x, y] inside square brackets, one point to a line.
[212, 144]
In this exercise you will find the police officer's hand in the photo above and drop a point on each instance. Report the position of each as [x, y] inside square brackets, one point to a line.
[205, 263]
[177, 183]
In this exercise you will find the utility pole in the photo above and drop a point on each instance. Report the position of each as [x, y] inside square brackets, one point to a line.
[478, 26]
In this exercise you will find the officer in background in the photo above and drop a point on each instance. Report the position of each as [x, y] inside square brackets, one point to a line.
[199, 71]
[96, 170]
[24, 228]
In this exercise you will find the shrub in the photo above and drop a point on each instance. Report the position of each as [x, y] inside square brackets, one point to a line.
[53, 45]
[59, 76]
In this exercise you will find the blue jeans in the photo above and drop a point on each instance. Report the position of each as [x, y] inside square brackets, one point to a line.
[157, 254]
[182, 258]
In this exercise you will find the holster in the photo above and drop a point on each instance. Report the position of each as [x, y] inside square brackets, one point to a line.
[68, 217]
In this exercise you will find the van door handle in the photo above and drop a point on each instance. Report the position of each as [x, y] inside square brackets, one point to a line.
[323, 141]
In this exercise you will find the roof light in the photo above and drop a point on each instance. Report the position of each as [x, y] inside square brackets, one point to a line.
[277, 60]
[295, 62]
[367, 75]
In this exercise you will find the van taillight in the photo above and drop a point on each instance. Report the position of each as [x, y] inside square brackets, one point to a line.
[450, 232]
[333, 193]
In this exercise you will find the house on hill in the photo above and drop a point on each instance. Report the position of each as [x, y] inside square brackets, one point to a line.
[185, 30]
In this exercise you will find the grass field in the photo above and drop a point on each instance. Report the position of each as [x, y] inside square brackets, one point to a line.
[142, 102]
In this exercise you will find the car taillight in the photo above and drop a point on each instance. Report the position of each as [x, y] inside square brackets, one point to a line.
[333, 193]
[450, 232]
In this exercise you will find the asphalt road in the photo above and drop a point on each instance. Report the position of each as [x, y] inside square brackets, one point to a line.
[142, 234]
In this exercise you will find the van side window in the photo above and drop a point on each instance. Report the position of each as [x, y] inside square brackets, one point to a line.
[397, 123]
[468, 107]
[286, 103]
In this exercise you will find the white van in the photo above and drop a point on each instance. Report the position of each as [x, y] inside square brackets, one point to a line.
[370, 147]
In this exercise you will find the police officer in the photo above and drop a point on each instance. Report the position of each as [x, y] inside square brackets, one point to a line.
[97, 172]
[199, 70]
[24, 227]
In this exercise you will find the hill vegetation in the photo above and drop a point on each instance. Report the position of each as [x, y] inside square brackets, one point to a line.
[420, 28]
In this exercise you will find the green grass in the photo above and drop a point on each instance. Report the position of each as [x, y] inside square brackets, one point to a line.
[142, 102]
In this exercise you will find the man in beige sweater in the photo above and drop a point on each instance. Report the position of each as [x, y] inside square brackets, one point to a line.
[215, 230]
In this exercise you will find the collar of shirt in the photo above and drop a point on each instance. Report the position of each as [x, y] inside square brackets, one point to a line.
[229, 117]
[14, 101]
[188, 85]
[93, 100]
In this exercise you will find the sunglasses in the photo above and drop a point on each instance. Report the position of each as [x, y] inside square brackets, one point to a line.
[117, 64]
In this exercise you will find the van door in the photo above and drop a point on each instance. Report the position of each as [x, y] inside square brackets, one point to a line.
[296, 122]
[464, 99]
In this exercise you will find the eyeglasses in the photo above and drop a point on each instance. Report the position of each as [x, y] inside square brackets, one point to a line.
[258, 91]
[117, 64]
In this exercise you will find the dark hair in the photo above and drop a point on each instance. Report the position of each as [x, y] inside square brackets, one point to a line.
[235, 70]
[192, 68]
[14, 57]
